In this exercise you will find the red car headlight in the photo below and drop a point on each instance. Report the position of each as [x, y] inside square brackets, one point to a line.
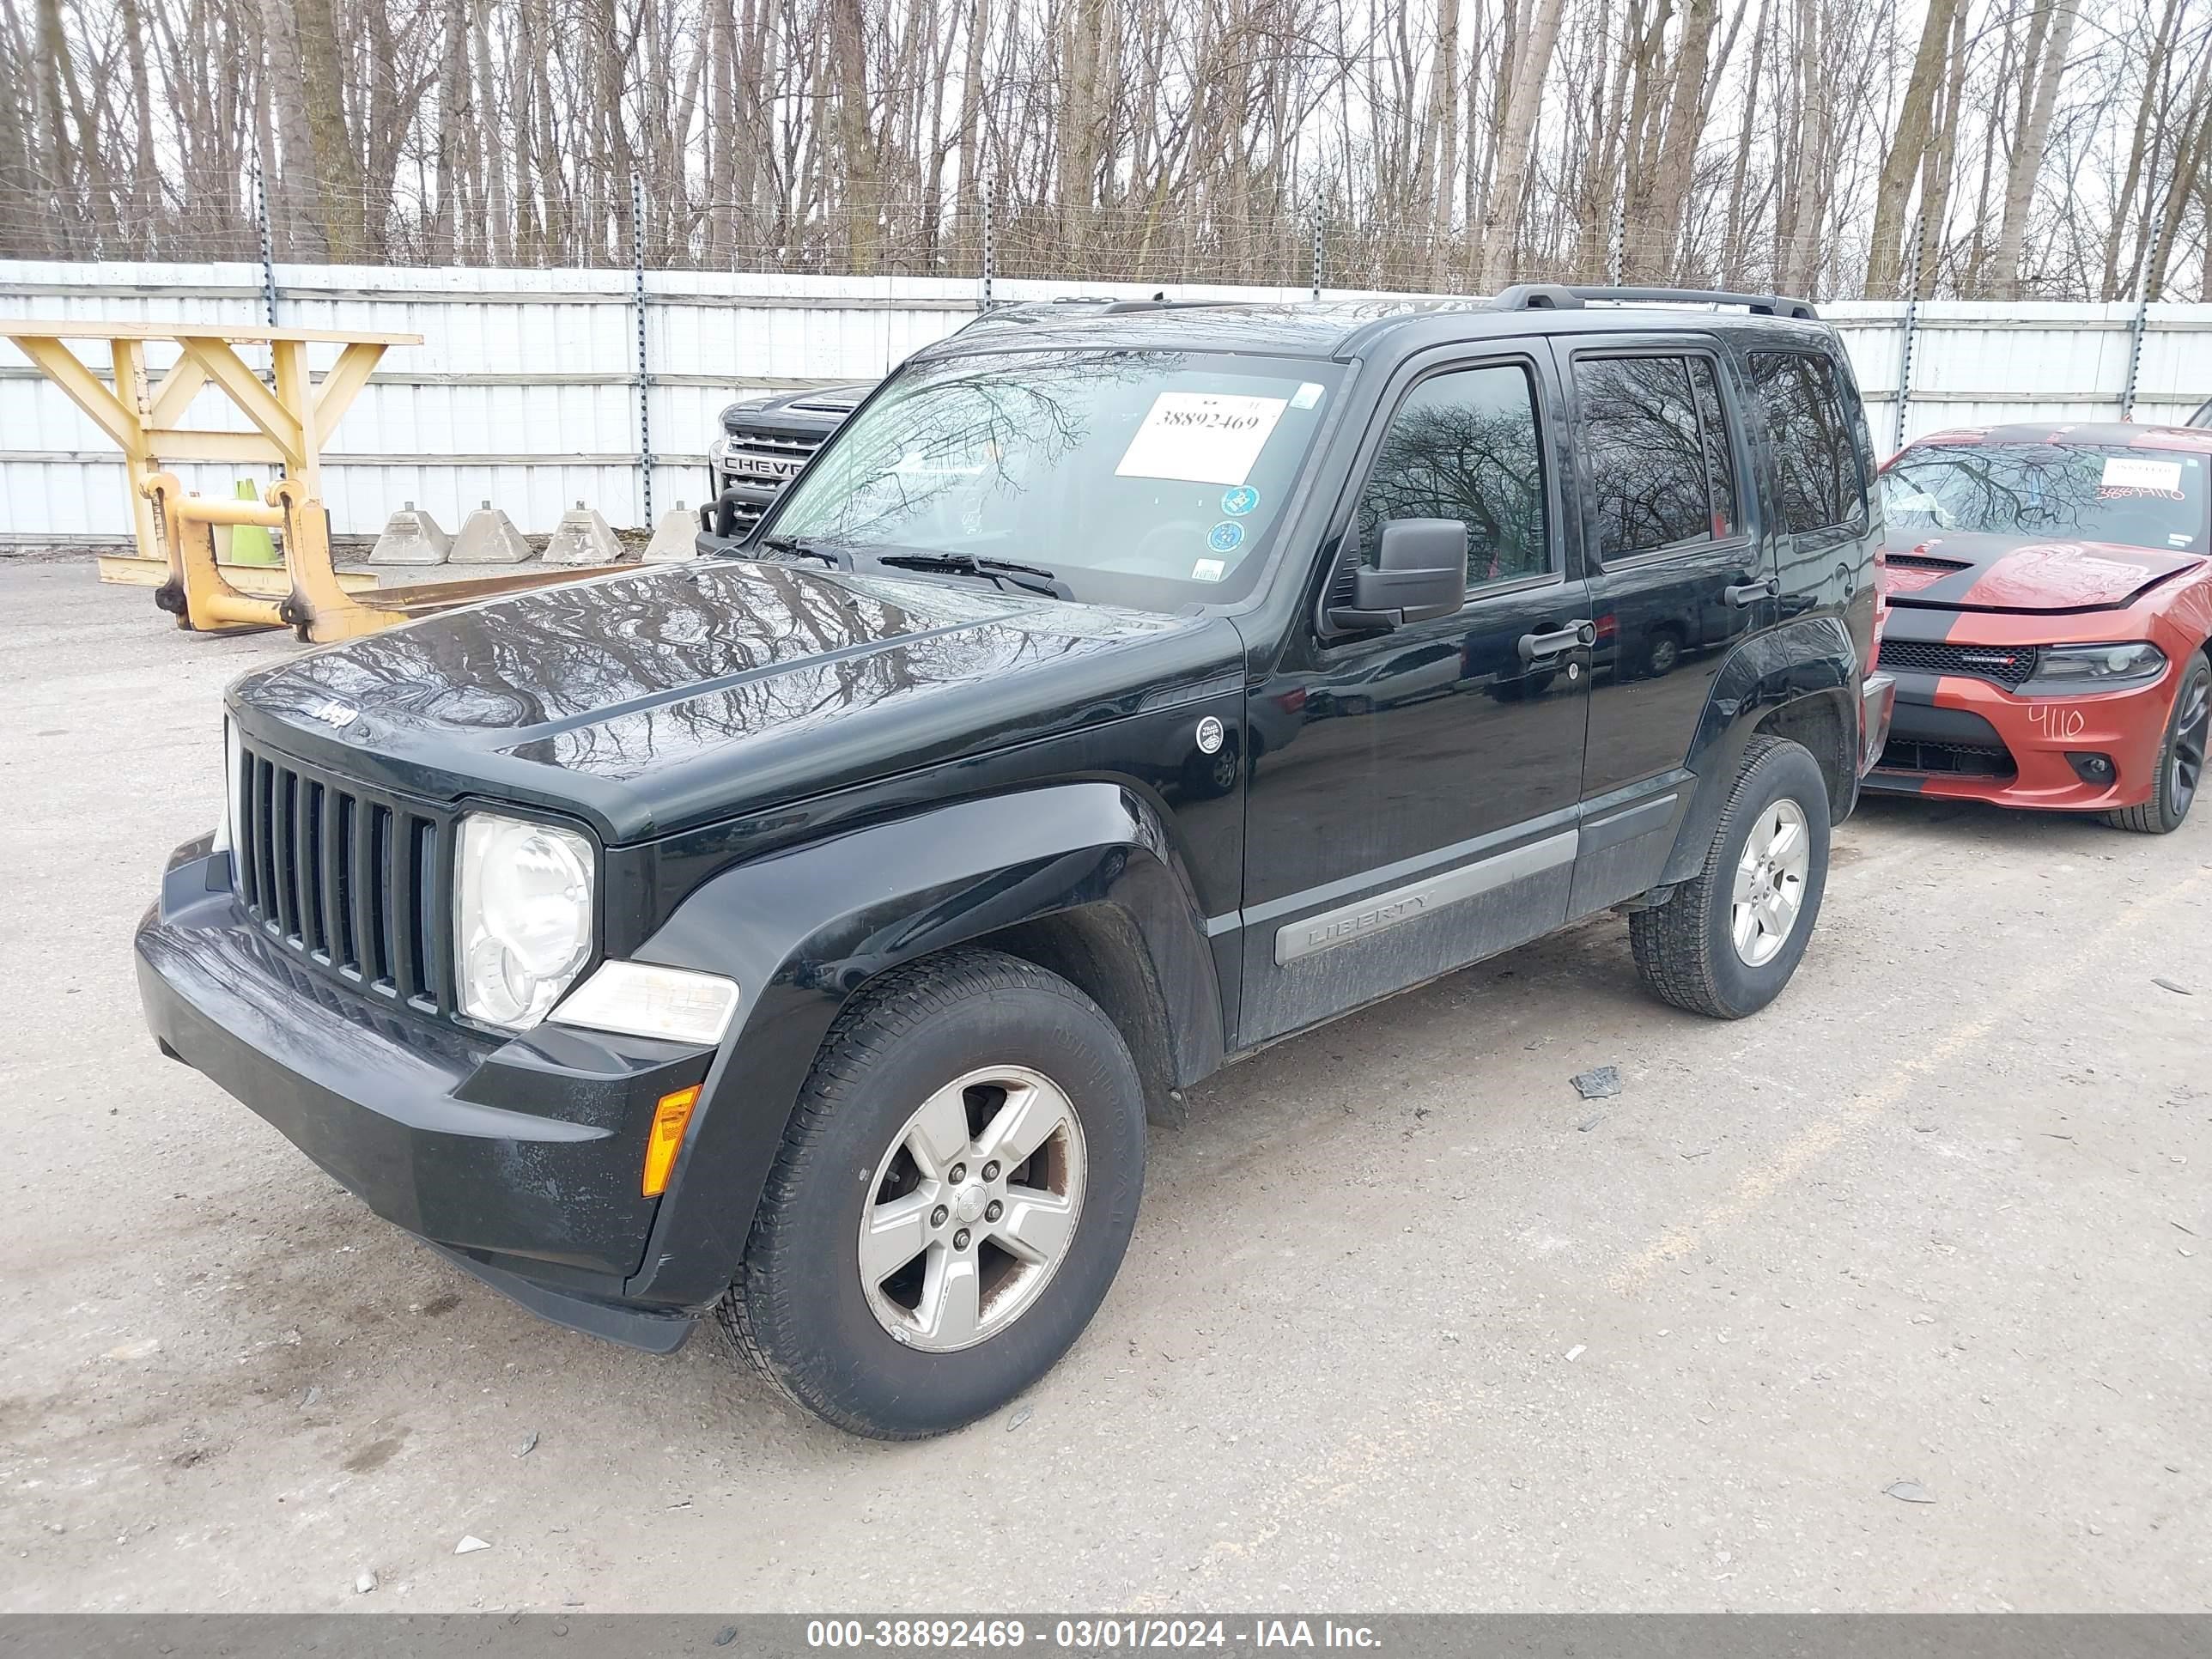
[2070, 670]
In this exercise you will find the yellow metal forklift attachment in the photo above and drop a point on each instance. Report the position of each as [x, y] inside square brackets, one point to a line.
[317, 604]
[175, 530]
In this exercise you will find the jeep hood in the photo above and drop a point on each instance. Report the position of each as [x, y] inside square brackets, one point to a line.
[654, 701]
[1952, 571]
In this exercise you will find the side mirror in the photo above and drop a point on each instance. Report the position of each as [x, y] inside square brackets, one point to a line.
[1419, 573]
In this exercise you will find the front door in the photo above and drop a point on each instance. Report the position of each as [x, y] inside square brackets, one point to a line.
[1412, 807]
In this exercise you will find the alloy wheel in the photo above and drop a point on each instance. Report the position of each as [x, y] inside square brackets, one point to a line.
[2185, 767]
[972, 1209]
[1770, 883]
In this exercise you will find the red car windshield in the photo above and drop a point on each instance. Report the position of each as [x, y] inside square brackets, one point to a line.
[2074, 492]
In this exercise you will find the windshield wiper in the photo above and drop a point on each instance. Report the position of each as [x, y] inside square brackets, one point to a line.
[1030, 578]
[800, 545]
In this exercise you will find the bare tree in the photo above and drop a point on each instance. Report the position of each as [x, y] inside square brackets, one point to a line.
[2043, 143]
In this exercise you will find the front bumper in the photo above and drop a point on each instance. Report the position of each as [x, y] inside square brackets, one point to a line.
[518, 1158]
[1958, 738]
[1877, 709]
[730, 516]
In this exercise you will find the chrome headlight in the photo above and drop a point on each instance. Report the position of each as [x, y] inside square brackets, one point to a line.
[233, 785]
[2063, 670]
[522, 917]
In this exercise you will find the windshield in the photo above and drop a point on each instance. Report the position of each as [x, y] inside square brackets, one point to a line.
[2134, 497]
[1146, 478]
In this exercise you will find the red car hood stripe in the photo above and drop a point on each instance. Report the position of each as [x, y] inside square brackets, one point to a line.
[2004, 574]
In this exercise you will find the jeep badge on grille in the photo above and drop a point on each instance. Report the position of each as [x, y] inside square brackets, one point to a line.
[332, 711]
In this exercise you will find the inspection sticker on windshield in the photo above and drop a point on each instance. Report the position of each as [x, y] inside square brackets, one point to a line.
[2132, 475]
[1201, 437]
[1208, 570]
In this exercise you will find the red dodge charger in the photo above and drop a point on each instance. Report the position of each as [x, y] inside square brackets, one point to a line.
[2049, 595]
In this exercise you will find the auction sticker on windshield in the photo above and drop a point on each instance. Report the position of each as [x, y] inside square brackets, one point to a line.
[1201, 437]
[2131, 474]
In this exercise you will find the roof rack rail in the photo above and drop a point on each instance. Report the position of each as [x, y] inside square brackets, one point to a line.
[1539, 296]
[1160, 302]
[1760, 305]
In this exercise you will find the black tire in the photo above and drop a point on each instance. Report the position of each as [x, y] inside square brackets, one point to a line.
[2181, 757]
[798, 1310]
[1685, 951]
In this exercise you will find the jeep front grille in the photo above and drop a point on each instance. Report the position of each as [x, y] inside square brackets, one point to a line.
[2002, 665]
[355, 882]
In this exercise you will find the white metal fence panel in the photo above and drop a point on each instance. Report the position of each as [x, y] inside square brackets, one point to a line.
[526, 390]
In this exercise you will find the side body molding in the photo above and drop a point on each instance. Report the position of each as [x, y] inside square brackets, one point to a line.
[801, 930]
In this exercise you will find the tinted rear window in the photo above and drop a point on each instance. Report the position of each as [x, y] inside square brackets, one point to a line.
[1651, 455]
[1815, 456]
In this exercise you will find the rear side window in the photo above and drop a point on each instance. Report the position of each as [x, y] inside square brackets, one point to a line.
[1815, 456]
[1463, 445]
[1658, 453]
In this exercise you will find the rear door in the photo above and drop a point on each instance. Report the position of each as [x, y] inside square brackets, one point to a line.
[1420, 813]
[1823, 464]
[1680, 573]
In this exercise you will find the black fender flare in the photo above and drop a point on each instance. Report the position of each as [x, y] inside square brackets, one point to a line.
[801, 930]
[1809, 657]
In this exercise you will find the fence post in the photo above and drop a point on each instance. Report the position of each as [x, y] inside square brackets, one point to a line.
[1318, 251]
[989, 253]
[1911, 319]
[1616, 241]
[268, 246]
[2151, 283]
[644, 369]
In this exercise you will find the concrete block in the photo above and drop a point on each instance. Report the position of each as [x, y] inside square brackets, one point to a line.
[411, 537]
[488, 537]
[582, 537]
[672, 542]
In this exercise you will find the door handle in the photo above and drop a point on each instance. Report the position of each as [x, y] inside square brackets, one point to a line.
[1752, 593]
[1535, 646]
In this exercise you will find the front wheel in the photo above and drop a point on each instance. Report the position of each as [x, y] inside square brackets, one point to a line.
[1728, 938]
[953, 1197]
[2181, 757]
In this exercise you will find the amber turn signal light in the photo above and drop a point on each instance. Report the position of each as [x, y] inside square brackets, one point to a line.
[669, 1117]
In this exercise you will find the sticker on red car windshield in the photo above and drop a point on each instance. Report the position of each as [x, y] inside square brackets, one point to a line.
[2137, 475]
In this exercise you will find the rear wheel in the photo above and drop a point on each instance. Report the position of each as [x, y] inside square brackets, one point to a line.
[2181, 757]
[954, 1195]
[1728, 938]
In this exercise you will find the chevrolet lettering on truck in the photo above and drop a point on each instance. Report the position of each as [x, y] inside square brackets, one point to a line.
[803, 938]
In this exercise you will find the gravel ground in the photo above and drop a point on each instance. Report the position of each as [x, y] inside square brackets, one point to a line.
[1407, 1324]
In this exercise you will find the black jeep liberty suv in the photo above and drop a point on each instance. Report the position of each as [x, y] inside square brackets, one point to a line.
[807, 937]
